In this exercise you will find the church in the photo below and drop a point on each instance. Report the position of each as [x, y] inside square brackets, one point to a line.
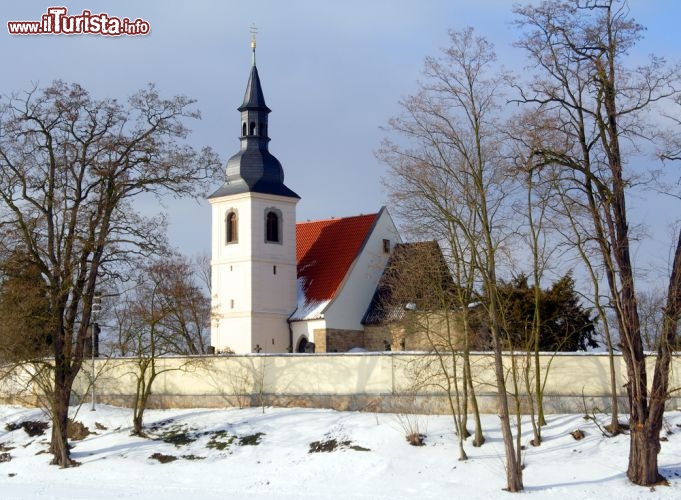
[281, 286]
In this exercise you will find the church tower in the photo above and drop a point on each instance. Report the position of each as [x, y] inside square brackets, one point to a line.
[253, 263]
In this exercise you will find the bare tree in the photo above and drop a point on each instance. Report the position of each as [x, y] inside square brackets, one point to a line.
[452, 179]
[671, 147]
[417, 289]
[464, 297]
[164, 314]
[581, 236]
[534, 209]
[578, 49]
[187, 302]
[201, 265]
[651, 311]
[70, 167]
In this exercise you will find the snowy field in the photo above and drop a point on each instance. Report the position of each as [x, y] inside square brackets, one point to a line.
[248, 454]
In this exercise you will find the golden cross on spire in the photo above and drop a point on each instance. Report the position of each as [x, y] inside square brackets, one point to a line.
[254, 31]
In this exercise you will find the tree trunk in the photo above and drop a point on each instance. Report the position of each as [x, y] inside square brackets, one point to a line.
[61, 396]
[614, 428]
[463, 408]
[536, 422]
[478, 437]
[138, 420]
[643, 450]
[459, 416]
[514, 474]
[644, 425]
[645, 435]
[452, 394]
[145, 380]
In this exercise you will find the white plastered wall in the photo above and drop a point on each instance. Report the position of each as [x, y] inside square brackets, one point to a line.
[347, 309]
[253, 281]
[306, 329]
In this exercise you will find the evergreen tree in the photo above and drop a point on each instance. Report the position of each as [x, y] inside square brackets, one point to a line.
[24, 311]
[565, 324]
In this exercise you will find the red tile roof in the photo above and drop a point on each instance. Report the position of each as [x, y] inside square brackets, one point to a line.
[325, 250]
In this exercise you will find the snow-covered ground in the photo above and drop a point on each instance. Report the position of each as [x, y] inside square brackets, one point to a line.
[249, 454]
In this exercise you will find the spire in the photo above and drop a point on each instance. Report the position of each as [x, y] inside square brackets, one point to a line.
[254, 168]
[254, 98]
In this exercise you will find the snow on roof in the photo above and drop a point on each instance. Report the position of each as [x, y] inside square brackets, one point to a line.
[325, 251]
[307, 309]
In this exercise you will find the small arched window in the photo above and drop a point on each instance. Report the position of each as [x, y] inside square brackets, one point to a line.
[252, 131]
[232, 227]
[272, 227]
[243, 129]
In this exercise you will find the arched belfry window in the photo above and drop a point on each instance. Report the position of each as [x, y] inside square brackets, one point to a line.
[252, 131]
[243, 129]
[232, 227]
[272, 225]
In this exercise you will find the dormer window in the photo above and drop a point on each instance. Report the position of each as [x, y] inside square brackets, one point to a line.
[386, 246]
[232, 227]
[272, 226]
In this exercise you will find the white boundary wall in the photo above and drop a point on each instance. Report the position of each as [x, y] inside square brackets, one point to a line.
[363, 381]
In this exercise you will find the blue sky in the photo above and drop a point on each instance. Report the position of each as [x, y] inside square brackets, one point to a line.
[332, 72]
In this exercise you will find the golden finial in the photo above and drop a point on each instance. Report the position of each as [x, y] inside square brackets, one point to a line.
[254, 31]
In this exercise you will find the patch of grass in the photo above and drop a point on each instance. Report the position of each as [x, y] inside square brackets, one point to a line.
[178, 435]
[4, 447]
[161, 424]
[164, 459]
[220, 440]
[5, 457]
[100, 427]
[178, 438]
[31, 427]
[34, 428]
[325, 446]
[251, 440]
[192, 457]
[329, 445]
